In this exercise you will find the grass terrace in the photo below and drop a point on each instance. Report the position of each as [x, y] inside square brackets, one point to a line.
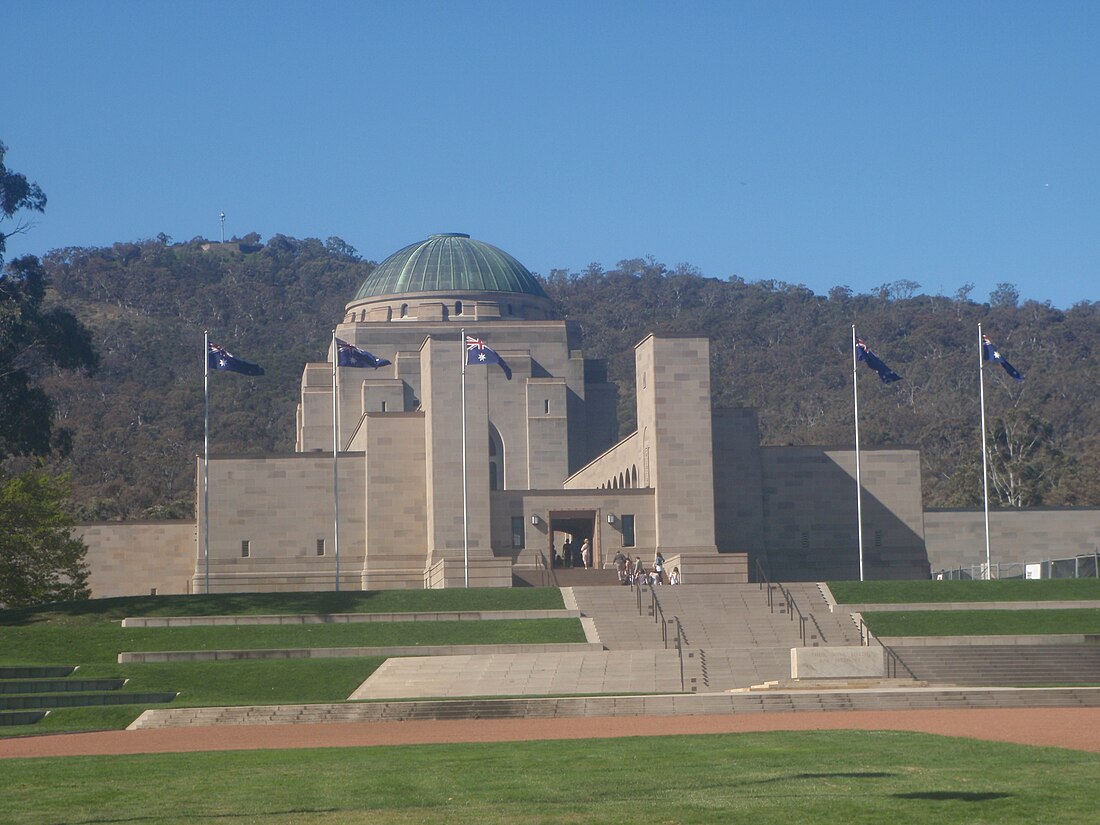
[929, 591]
[89, 634]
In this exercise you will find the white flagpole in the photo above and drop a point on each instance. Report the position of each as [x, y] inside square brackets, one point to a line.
[859, 481]
[465, 519]
[985, 450]
[335, 452]
[206, 459]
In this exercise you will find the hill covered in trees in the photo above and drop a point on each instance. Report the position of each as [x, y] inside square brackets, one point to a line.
[137, 424]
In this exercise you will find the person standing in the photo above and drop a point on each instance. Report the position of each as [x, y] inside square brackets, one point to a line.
[621, 561]
[659, 568]
[586, 554]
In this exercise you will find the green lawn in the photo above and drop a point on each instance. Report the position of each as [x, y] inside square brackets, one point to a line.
[247, 604]
[844, 777]
[982, 622]
[901, 592]
[212, 684]
[89, 634]
[49, 642]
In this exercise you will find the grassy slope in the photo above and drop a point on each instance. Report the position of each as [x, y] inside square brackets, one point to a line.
[901, 592]
[982, 622]
[89, 634]
[821, 777]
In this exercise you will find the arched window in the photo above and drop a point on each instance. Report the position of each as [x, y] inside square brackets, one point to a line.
[458, 307]
[496, 459]
[634, 475]
[404, 310]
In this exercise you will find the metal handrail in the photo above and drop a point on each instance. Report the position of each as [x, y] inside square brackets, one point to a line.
[548, 573]
[762, 579]
[892, 658]
[791, 604]
[680, 649]
[659, 616]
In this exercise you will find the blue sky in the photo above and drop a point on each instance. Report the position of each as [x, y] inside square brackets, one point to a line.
[818, 143]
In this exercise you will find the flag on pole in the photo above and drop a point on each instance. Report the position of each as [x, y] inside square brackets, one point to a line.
[478, 352]
[348, 355]
[990, 353]
[217, 358]
[863, 353]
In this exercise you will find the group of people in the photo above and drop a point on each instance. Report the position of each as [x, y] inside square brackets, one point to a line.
[637, 574]
[574, 555]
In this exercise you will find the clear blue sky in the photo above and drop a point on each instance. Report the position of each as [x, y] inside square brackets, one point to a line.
[821, 143]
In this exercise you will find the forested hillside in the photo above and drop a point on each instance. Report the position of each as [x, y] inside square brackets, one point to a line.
[138, 423]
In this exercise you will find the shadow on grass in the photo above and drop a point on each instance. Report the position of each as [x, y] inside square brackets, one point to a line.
[832, 775]
[198, 817]
[959, 796]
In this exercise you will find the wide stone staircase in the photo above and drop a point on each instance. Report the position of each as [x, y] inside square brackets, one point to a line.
[1002, 664]
[736, 642]
[732, 636]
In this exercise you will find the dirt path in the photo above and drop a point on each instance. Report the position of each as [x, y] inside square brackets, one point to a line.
[1074, 728]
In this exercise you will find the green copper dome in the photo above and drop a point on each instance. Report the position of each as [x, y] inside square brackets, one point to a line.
[450, 262]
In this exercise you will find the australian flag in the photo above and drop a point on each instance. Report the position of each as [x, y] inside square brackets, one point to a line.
[863, 353]
[989, 353]
[218, 359]
[348, 355]
[478, 352]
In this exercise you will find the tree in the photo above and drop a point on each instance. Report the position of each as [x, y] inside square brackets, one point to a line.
[32, 336]
[40, 559]
[1005, 295]
[16, 193]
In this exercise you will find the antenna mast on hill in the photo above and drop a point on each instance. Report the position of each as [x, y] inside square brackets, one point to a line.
[222, 217]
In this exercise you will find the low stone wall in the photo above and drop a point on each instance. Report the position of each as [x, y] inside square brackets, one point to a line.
[139, 558]
[837, 662]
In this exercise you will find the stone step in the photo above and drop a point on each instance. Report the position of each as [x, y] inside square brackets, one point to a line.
[21, 717]
[73, 700]
[772, 701]
[58, 685]
[33, 672]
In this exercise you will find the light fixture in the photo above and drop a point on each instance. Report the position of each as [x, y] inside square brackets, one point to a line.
[535, 520]
[610, 518]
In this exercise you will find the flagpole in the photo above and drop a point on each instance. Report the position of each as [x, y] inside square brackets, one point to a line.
[335, 451]
[859, 481]
[465, 514]
[985, 450]
[206, 459]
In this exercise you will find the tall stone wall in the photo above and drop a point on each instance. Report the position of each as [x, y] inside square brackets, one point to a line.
[674, 420]
[397, 538]
[738, 483]
[810, 516]
[956, 538]
[282, 507]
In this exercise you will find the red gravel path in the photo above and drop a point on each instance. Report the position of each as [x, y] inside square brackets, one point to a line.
[1075, 728]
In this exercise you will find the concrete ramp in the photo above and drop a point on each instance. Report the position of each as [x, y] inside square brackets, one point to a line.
[529, 674]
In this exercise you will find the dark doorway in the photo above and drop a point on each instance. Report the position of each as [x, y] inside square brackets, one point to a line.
[568, 530]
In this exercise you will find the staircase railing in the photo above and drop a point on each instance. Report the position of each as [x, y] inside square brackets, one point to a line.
[763, 580]
[680, 649]
[792, 608]
[892, 658]
[546, 574]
